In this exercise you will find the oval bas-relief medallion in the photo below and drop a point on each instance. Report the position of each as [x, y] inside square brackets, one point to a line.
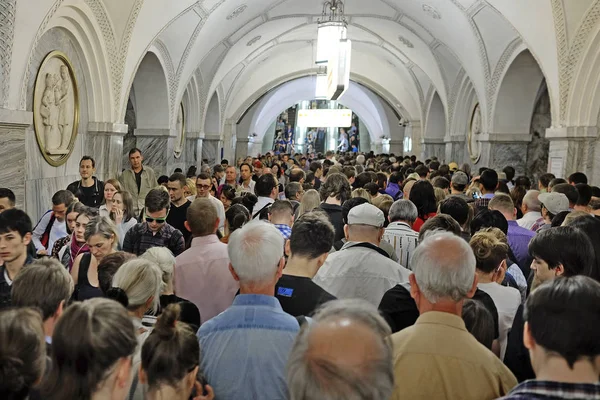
[180, 128]
[474, 134]
[56, 108]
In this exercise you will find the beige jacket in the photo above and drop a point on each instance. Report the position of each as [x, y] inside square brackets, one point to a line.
[149, 182]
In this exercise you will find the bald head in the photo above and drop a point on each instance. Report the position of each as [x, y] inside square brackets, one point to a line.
[320, 365]
[444, 268]
[531, 201]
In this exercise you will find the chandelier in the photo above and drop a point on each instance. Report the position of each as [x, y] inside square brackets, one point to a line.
[333, 50]
[332, 28]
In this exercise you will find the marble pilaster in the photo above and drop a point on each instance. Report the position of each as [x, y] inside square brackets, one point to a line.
[456, 150]
[157, 148]
[255, 147]
[397, 147]
[499, 150]
[230, 139]
[433, 148]
[242, 148]
[211, 151]
[377, 147]
[13, 128]
[105, 144]
[414, 131]
[574, 149]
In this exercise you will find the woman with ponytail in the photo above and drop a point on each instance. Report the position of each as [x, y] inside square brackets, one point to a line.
[22, 352]
[236, 217]
[92, 346]
[171, 361]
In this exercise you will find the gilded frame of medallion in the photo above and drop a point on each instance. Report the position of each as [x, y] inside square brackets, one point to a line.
[180, 134]
[473, 158]
[56, 160]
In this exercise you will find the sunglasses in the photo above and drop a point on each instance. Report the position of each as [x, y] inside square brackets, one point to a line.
[158, 220]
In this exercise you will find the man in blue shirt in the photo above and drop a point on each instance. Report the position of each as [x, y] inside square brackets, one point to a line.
[246, 347]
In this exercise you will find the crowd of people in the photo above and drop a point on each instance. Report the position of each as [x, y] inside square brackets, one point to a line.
[344, 276]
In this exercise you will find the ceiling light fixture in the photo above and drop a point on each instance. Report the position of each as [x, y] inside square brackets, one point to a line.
[332, 27]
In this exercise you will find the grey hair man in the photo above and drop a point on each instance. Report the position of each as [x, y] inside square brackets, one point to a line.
[254, 330]
[320, 366]
[349, 273]
[399, 233]
[443, 278]
[532, 210]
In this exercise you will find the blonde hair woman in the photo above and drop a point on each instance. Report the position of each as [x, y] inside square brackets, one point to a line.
[362, 193]
[102, 239]
[310, 201]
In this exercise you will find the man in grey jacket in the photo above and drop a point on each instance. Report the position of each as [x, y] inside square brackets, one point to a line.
[138, 180]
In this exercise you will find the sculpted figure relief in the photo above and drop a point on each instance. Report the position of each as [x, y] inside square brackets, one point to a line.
[475, 130]
[55, 108]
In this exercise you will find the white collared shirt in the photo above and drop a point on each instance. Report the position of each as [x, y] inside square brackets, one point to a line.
[529, 219]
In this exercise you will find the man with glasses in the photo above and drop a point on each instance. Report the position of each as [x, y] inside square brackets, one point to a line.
[154, 231]
[203, 185]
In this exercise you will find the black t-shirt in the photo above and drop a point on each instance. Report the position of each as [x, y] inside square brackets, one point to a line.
[517, 357]
[176, 218]
[334, 212]
[400, 310]
[90, 196]
[300, 296]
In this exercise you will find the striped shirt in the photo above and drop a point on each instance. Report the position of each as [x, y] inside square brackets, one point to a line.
[403, 239]
[140, 238]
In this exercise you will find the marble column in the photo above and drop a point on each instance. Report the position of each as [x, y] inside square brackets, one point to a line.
[415, 132]
[105, 143]
[193, 149]
[211, 149]
[230, 139]
[397, 147]
[456, 150]
[255, 147]
[243, 147]
[377, 147]
[574, 149]
[499, 150]
[13, 127]
[433, 147]
[157, 148]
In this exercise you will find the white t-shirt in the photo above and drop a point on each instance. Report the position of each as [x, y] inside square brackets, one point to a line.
[507, 301]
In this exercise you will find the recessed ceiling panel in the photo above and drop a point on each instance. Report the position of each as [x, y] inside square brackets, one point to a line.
[496, 32]
[182, 28]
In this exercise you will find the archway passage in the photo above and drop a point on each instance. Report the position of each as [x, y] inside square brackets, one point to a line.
[435, 129]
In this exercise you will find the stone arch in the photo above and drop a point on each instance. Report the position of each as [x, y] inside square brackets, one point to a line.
[517, 96]
[152, 96]
[583, 106]
[212, 122]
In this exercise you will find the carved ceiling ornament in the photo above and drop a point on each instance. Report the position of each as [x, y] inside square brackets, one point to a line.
[180, 128]
[237, 12]
[252, 41]
[475, 128]
[432, 11]
[56, 108]
[406, 42]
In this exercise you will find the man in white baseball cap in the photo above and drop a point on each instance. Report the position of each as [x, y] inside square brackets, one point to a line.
[552, 204]
[361, 269]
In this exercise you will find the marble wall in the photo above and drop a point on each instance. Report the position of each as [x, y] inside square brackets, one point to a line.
[538, 149]
[430, 150]
[12, 150]
[504, 154]
[41, 179]
[211, 151]
[457, 152]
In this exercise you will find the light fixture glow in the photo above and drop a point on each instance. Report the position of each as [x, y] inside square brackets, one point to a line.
[328, 40]
[321, 87]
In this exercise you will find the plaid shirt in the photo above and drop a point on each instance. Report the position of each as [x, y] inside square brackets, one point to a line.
[140, 238]
[546, 390]
[285, 230]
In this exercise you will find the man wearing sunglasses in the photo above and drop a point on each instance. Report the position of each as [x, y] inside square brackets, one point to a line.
[154, 231]
[203, 185]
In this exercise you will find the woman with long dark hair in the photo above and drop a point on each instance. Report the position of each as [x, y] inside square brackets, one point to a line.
[422, 195]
